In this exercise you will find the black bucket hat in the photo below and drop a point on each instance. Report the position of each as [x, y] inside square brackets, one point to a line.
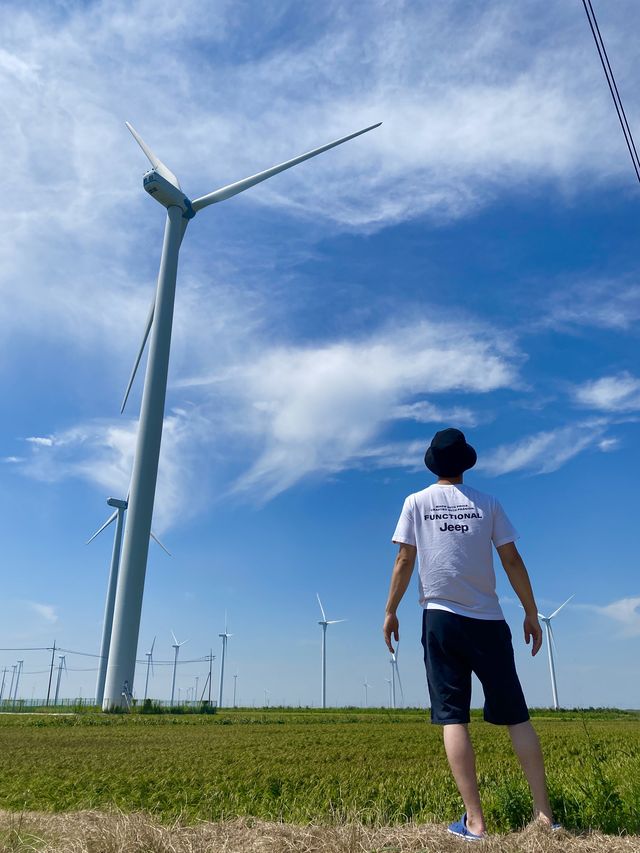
[449, 455]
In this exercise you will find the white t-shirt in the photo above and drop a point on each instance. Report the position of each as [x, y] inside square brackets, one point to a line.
[452, 528]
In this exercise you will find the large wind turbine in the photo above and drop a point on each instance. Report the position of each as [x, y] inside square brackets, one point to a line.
[225, 636]
[551, 642]
[324, 622]
[107, 625]
[163, 185]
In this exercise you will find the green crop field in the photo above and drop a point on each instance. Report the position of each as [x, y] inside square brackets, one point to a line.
[379, 767]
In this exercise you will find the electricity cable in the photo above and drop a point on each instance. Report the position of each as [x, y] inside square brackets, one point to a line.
[613, 88]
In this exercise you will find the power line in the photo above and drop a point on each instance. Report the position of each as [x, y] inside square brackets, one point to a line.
[613, 88]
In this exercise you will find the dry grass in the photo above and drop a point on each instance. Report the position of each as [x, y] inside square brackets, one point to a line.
[103, 832]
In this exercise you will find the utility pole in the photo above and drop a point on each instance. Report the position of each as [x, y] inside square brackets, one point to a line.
[4, 676]
[60, 665]
[53, 654]
[235, 683]
[13, 676]
[210, 673]
[15, 689]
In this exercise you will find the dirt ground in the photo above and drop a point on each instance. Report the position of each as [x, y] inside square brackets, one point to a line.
[100, 832]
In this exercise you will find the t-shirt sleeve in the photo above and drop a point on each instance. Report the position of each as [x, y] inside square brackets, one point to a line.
[405, 531]
[503, 531]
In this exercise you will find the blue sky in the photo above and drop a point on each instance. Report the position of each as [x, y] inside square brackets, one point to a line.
[473, 262]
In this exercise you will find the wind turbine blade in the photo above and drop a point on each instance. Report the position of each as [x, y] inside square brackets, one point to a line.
[139, 356]
[335, 621]
[399, 681]
[324, 618]
[155, 539]
[183, 642]
[152, 647]
[175, 640]
[106, 524]
[561, 606]
[240, 186]
[157, 164]
[541, 616]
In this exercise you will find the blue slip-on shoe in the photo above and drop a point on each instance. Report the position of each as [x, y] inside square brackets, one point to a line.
[459, 828]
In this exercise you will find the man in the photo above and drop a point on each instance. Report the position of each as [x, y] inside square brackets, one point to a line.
[450, 527]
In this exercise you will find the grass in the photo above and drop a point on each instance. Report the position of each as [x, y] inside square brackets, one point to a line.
[369, 769]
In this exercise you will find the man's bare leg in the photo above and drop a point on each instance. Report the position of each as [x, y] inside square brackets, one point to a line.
[527, 747]
[462, 761]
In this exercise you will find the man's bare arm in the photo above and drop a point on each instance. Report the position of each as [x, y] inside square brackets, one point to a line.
[516, 571]
[400, 577]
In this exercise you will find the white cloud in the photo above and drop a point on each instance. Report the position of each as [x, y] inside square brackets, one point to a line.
[102, 453]
[544, 452]
[424, 412]
[625, 612]
[46, 611]
[44, 441]
[319, 409]
[605, 303]
[619, 393]
[487, 109]
[296, 410]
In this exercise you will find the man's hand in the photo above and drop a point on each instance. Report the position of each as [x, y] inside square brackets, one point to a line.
[532, 629]
[391, 628]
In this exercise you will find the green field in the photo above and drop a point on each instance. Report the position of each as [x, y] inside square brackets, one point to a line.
[380, 767]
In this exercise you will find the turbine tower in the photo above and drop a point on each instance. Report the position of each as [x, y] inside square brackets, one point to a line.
[176, 649]
[551, 641]
[324, 622]
[107, 625]
[163, 185]
[225, 636]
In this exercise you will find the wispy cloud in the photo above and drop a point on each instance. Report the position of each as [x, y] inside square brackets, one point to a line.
[296, 411]
[604, 303]
[483, 112]
[46, 611]
[102, 453]
[544, 452]
[620, 393]
[318, 410]
[424, 412]
[625, 612]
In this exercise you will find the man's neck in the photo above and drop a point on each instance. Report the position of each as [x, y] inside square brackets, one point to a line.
[449, 481]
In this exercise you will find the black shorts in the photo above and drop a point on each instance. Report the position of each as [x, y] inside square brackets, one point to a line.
[454, 647]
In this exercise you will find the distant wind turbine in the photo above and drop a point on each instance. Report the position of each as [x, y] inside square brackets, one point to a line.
[107, 624]
[324, 622]
[551, 642]
[388, 680]
[176, 648]
[164, 187]
[366, 686]
[225, 636]
[149, 655]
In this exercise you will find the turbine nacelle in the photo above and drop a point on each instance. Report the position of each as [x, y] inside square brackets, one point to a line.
[167, 193]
